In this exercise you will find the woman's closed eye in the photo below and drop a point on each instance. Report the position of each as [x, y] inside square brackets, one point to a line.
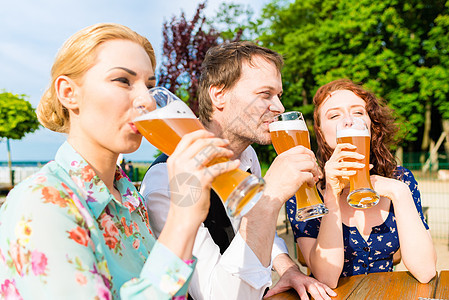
[123, 80]
[333, 116]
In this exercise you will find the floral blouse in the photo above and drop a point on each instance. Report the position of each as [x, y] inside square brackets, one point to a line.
[63, 235]
[364, 256]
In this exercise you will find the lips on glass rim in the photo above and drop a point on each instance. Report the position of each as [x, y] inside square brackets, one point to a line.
[134, 128]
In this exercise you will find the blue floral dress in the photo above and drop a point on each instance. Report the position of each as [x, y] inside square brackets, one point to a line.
[362, 257]
[64, 236]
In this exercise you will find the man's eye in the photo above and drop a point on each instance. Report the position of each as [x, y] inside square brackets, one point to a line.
[266, 95]
[122, 80]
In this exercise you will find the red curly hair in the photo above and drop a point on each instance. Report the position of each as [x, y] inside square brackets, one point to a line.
[383, 127]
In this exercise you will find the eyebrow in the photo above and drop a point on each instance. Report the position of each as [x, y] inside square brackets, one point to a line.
[267, 87]
[126, 70]
[352, 106]
[131, 72]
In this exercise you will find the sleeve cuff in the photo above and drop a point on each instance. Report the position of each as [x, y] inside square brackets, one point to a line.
[167, 271]
[279, 247]
[239, 260]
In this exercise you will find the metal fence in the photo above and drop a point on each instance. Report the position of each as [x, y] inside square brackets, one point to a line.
[434, 187]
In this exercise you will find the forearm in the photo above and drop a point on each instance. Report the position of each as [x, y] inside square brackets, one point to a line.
[326, 257]
[178, 234]
[282, 263]
[417, 250]
[258, 228]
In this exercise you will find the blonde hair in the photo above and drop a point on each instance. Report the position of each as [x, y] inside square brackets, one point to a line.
[74, 59]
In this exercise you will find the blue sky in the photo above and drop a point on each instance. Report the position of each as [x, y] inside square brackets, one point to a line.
[31, 33]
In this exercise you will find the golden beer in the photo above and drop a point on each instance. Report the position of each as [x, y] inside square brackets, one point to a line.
[164, 128]
[361, 194]
[288, 134]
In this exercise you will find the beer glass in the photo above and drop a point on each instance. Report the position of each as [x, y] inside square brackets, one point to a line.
[164, 128]
[353, 130]
[287, 131]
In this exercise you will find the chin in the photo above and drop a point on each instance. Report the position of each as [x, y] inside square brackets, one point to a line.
[262, 140]
[131, 146]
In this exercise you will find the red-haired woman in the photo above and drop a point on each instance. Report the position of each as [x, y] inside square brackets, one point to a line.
[350, 241]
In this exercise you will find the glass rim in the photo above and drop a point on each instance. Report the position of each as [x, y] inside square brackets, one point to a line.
[288, 116]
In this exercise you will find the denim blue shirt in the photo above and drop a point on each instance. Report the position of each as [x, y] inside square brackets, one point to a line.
[364, 256]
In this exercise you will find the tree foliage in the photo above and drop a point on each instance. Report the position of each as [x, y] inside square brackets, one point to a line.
[184, 47]
[396, 48]
[185, 43]
[234, 22]
[17, 116]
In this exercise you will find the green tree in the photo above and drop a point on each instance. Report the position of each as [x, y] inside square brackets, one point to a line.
[17, 118]
[185, 44]
[396, 48]
[234, 22]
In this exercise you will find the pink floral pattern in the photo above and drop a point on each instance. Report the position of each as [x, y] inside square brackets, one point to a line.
[62, 229]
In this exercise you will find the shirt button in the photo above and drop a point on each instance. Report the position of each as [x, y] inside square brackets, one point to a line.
[364, 265]
[366, 249]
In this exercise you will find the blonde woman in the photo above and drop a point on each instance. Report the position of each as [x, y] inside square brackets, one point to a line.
[78, 228]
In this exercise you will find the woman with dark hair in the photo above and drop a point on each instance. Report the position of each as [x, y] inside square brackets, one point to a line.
[350, 241]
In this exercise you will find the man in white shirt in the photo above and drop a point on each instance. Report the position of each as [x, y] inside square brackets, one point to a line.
[239, 94]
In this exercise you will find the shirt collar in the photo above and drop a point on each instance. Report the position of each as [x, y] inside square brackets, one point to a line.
[96, 193]
[247, 160]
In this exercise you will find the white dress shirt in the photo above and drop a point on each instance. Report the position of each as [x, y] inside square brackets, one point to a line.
[238, 273]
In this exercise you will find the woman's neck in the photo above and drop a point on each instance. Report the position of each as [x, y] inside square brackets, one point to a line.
[102, 161]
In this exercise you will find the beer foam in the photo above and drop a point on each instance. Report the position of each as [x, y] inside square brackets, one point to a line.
[352, 132]
[288, 125]
[173, 110]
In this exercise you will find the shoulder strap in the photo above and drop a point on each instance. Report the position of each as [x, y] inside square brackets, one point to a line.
[217, 221]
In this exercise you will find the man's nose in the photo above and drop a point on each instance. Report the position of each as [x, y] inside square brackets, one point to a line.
[276, 105]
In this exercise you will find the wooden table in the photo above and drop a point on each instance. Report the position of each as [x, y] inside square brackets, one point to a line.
[442, 290]
[388, 285]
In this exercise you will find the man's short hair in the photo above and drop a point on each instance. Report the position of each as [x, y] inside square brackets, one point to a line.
[222, 67]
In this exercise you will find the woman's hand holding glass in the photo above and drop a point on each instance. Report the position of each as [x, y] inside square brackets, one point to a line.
[355, 131]
[390, 188]
[191, 175]
[338, 169]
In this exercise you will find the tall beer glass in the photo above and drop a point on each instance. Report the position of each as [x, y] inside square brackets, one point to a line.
[164, 128]
[354, 131]
[290, 130]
